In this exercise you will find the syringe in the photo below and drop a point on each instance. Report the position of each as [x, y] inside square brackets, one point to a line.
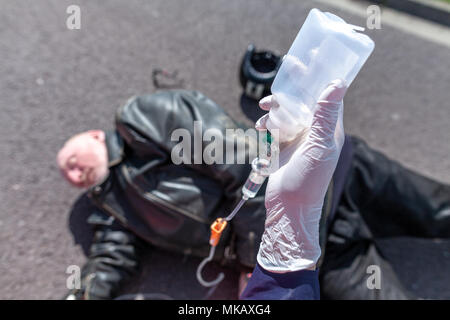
[259, 173]
[261, 167]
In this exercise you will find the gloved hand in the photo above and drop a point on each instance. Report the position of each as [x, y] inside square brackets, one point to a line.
[295, 192]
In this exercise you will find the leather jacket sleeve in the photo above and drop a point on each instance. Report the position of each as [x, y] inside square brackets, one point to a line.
[114, 258]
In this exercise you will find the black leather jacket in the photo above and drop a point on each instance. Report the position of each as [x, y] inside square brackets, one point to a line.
[172, 206]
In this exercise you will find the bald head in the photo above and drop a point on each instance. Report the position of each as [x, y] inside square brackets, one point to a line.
[83, 160]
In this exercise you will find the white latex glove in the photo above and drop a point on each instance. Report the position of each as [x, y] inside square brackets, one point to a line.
[295, 192]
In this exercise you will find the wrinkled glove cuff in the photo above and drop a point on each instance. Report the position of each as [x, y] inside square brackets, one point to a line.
[290, 241]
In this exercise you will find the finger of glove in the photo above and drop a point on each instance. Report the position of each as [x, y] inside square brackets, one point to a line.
[339, 134]
[261, 124]
[268, 102]
[327, 112]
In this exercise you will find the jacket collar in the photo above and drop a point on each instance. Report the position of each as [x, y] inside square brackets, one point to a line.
[115, 147]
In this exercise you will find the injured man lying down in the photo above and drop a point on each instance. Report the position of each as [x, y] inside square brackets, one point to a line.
[141, 199]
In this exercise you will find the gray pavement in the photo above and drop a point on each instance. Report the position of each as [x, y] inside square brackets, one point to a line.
[56, 82]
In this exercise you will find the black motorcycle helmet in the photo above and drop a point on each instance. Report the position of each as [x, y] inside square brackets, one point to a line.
[258, 70]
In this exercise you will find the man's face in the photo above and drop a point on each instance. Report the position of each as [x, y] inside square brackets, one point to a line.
[83, 160]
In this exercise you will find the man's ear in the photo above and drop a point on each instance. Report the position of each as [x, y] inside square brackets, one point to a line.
[97, 134]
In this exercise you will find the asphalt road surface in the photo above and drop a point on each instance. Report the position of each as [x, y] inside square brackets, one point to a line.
[56, 82]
